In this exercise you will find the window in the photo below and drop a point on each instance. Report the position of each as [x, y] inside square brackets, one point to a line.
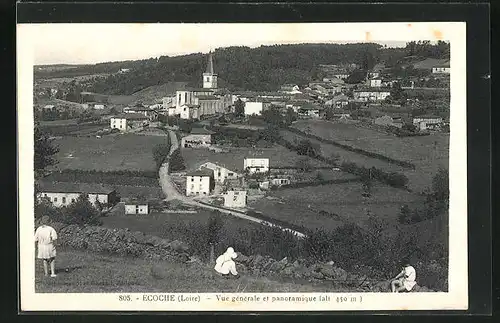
[208, 79]
[230, 174]
[201, 179]
[72, 200]
[55, 199]
[192, 186]
[45, 195]
[236, 193]
[184, 109]
[235, 198]
[185, 97]
[192, 179]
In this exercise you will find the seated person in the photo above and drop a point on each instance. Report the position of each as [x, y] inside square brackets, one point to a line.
[405, 280]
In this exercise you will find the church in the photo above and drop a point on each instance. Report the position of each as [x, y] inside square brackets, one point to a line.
[197, 103]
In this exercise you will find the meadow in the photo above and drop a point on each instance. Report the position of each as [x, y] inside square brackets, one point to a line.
[109, 153]
[427, 153]
[86, 272]
[329, 206]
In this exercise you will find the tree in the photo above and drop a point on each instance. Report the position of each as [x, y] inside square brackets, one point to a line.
[273, 116]
[160, 153]
[239, 108]
[290, 116]
[82, 212]
[367, 184]
[356, 76]
[440, 185]
[368, 61]
[307, 148]
[44, 152]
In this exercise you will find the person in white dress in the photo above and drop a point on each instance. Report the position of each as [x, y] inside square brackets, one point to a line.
[45, 236]
[405, 280]
[225, 264]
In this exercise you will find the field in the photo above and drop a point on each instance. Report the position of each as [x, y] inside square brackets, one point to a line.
[302, 206]
[428, 153]
[279, 156]
[85, 272]
[109, 153]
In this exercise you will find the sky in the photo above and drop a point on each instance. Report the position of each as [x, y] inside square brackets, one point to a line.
[94, 43]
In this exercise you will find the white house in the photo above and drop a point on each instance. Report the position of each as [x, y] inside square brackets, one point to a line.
[427, 122]
[371, 94]
[126, 121]
[252, 108]
[256, 165]
[189, 111]
[221, 174]
[64, 193]
[376, 82]
[136, 207]
[441, 69]
[139, 109]
[200, 182]
[197, 138]
[235, 199]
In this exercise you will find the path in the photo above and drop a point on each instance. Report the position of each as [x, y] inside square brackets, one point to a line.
[172, 193]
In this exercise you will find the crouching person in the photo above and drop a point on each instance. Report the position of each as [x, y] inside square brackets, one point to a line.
[405, 280]
[225, 265]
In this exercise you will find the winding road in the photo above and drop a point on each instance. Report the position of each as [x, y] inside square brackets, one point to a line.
[171, 193]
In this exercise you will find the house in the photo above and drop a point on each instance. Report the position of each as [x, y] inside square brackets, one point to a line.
[256, 165]
[441, 69]
[127, 121]
[133, 206]
[425, 122]
[235, 198]
[197, 138]
[290, 88]
[189, 111]
[140, 109]
[372, 94]
[221, 174]
[309, 110]
[200, 182]
[279, 181]
[375, 82]
[64, 193]
[338, 102]
[254, 108]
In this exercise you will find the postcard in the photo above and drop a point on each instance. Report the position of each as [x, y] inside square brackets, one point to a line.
[242, 166]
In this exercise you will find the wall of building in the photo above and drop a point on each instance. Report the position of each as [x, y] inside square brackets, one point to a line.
[198, 185]
[220, 173]
[65, 199]
[253, 108]
[136, 209]
[235, 199]
[196, 141]
[117, 123]
[256, 165]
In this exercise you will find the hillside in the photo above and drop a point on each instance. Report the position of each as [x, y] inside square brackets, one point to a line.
[155, 93]
[88, 272]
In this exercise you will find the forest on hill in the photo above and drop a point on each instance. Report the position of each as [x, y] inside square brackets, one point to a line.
[243, 68]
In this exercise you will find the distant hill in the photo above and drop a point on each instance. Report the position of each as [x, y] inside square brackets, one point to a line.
[155, 93]
[263, 68]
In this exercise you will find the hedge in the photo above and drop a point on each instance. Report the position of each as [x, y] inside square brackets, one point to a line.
[355, 149]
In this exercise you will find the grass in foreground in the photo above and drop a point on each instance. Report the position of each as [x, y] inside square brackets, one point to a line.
[98, 273]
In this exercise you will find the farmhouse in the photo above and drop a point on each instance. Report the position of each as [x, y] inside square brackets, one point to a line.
[309, 110]
[254, 108]
[338, 102]
[256, 165]
[197, 138]
[127, 121]
[372, 94]
[441, 69]
[425, 122]
[200, 182]
[236, 199]
[63, 193]
[376, 82]
[133, 206]
[221, 174]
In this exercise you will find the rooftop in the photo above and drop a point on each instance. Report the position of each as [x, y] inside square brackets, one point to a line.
[201, 172]
[82, 188]
[201, 131]
[131, 116]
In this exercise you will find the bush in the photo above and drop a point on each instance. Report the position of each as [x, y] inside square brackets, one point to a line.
[160, 154]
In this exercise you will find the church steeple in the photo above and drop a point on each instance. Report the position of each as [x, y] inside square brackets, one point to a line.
[209, 77]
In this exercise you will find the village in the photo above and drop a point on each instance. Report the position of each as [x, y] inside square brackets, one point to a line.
[378, 103]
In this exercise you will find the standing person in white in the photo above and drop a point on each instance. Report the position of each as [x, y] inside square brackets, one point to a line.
[225, 264]
[45, 236]
[405, 280]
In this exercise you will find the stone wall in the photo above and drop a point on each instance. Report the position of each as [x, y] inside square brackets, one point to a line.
[129, 243]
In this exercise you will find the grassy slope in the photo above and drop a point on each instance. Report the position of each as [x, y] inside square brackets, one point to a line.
[94, 273]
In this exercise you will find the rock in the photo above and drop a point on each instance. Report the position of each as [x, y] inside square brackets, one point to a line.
[317, 275]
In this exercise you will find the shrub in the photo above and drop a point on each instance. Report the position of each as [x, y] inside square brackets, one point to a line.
[176, 162]
[160, 154]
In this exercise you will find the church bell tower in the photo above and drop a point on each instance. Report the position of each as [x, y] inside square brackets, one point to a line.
[209, 77]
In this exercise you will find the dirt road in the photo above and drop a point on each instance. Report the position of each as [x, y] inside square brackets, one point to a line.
[171, 193]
